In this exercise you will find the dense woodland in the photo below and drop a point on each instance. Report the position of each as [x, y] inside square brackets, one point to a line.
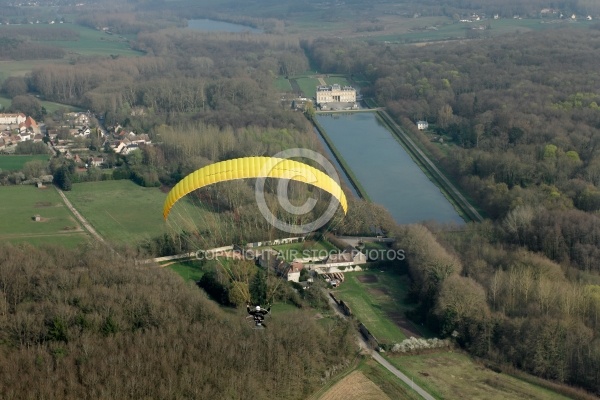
[523, 120]
[521, 116]
[90, 323]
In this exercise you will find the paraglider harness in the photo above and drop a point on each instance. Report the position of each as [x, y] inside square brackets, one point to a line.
[258, 313]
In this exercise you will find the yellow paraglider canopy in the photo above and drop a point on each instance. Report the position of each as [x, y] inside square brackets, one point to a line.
[254, 167]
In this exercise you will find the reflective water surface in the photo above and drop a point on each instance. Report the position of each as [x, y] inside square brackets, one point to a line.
[385, 170]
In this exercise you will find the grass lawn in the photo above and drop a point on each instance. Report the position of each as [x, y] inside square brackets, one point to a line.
[340, 80]
[16, 162]
[57, 226]
[452, 375]
[308, 86]
[69, 240]
[377, 299]
[121, 211]
[282, 84]
[190, 270]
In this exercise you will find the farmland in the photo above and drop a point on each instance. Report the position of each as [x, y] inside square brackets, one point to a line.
[89, 41]
[368, 380]
[125, 213]
[451, 375]
[16, 162]
[56, 224]
[121, 211]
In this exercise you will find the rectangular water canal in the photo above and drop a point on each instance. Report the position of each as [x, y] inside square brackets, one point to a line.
[385, 170]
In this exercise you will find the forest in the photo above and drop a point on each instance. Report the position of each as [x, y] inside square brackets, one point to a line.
[520, 119]
[90, 323]
[523, 121]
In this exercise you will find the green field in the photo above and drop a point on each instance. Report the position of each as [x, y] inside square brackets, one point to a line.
[90, 41]
[121, 211]
[308, 86]
[282, 84]
[93, 42]
[190, 270]
[452, 375]
[16, 162]
[20, 68]
[125, 213]
[50, 106]
[57, 225]
[377, 299]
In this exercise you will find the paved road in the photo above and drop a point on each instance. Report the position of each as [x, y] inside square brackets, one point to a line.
[82, 220]
[400, 375]
[385, 363]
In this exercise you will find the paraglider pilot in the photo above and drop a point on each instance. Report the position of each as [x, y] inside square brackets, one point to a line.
[258, 313]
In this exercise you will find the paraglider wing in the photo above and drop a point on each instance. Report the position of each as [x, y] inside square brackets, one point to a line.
[254, 167]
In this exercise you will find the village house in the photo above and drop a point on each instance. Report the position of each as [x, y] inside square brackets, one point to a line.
[30, 125]
[12, 119]
[25, 135]
[422, 125]
[81, 119]
[18, 128]
[292, 272]
[129, 148]
[96, 161]
[84, 131]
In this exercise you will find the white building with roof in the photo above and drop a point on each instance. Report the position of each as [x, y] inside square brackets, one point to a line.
[335, 94]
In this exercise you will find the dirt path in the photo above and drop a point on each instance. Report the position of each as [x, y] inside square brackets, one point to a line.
[80, 218]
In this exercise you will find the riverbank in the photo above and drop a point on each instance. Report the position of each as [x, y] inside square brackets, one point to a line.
[450, 191]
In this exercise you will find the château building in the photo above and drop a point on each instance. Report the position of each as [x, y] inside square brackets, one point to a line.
[335, 94]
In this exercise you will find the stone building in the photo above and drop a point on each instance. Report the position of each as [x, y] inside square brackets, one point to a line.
[335, 94]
